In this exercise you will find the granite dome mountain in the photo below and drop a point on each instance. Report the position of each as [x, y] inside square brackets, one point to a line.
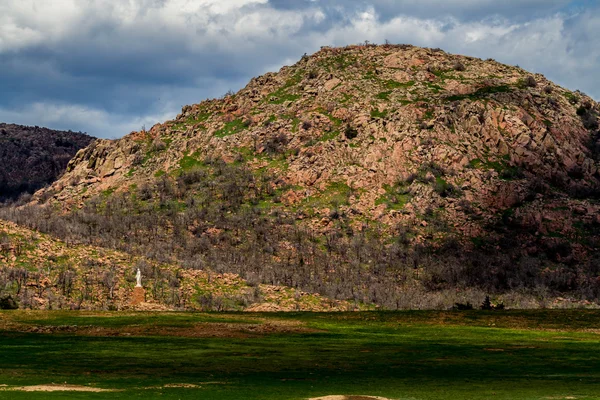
[394, 175]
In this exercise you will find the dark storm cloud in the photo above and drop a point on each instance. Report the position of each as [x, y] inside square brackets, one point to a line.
[464, 10]
[108, 67]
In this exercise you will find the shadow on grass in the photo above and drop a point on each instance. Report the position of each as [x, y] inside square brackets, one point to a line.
[421, 355]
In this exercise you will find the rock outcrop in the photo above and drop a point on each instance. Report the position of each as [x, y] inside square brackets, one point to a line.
[452, 133]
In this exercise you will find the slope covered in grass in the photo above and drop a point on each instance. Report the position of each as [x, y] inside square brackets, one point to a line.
[407, 355]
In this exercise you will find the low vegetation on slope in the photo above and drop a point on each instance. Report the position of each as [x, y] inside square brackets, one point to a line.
[33, 157]
[38, 272]
[395, 175]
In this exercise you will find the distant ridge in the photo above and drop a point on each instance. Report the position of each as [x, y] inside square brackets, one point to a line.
[32, 157]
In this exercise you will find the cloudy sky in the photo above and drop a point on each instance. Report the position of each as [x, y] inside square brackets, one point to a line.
[108, 67]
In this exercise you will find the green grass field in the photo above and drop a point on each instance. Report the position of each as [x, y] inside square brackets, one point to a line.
[396, 355]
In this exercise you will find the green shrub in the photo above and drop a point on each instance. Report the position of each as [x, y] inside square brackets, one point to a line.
[384, 95]
[480, 93]
[530, 81]
[233, 127]
[458, 66]
[378, 114]
[462, 306]
[350, 132]
[7, 303]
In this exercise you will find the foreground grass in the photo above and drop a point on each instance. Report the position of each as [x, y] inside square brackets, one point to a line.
[400, 355]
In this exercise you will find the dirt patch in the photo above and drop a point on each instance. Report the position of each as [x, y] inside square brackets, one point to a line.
[342, 397]
[60, 388]
[181, 385]
[203, 329]
[174, 385]
[152, 307]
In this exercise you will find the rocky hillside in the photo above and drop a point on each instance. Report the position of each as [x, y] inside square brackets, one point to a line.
[39, 272]
[33, 157]
[398, 164]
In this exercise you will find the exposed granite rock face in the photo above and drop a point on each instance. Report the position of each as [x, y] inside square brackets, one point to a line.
[470, 142]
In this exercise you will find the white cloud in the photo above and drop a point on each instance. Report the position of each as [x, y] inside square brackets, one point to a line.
[224, 7]
[66, 116]
[32, 22]
[110, 66]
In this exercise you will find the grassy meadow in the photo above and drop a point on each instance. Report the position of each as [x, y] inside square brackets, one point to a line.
[288, 356]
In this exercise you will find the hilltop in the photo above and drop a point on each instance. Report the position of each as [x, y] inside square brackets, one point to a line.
[397, 175]
[33, 157]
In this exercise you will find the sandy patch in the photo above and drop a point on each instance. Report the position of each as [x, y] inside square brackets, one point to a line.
[173, 386]
[181, 385]
[60, 388]
[562, 398]
[342, 397]
[184, 385]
